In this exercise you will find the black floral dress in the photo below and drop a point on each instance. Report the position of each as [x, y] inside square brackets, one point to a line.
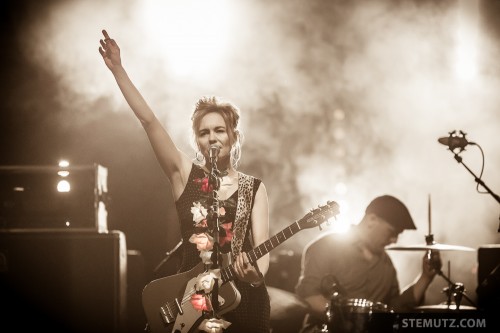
[253, 311]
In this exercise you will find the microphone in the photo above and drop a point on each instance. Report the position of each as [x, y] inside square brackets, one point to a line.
[453, 141]
[213, 152]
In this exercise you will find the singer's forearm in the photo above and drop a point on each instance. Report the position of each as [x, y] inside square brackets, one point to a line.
[133, 97]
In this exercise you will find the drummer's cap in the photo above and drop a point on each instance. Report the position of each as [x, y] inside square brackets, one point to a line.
[393, 211]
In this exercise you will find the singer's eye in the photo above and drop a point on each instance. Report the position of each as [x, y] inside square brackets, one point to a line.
[220, 129]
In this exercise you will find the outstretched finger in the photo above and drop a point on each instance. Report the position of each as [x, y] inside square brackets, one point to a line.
[101, 51]
[105, 33]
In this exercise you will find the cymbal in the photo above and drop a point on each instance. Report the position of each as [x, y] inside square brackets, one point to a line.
[434, 246]
[444, 307]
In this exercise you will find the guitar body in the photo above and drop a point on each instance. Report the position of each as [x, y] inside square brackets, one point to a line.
[159, 296]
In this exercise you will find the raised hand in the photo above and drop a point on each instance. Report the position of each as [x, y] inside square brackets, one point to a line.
[110, 51]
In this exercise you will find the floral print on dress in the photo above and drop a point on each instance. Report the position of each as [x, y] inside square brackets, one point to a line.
[199, 302]
[202, 237]
[205, 187]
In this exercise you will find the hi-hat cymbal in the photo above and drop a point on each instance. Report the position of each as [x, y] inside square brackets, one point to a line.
[434, 246]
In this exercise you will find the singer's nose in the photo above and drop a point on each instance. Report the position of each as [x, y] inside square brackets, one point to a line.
[212, 138]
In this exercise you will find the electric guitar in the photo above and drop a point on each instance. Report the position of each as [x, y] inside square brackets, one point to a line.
[166, 301]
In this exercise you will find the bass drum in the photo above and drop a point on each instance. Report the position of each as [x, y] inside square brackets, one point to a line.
[358, 315]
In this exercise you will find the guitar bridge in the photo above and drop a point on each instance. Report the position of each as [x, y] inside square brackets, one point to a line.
[179, 307]
[167, 314]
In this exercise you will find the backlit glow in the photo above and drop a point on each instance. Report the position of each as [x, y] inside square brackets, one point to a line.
[466, 47]
[191, 35]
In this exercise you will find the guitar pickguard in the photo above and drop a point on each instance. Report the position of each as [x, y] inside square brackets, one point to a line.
[189, 320]
[161, 294]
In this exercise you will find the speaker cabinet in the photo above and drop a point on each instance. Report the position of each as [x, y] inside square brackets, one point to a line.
[63, 281]
[47, 197]
[488, 275]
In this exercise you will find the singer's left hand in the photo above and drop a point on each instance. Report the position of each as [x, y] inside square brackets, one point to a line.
[245, 270]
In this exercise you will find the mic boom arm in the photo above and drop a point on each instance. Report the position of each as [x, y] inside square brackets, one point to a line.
[454, 141]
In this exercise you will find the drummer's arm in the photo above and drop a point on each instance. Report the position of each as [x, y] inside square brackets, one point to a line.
[317, 305]
[314, 268]
[414, 294]
[430, 267]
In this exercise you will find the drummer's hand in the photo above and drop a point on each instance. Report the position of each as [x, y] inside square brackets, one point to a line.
[110, 51]
[431, 264]
[246, 271]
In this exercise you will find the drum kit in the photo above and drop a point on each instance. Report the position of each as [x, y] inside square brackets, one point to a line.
[364, 316]
[358, 315]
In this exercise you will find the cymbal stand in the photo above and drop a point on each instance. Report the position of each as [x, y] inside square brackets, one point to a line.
[447, 290]
[455, 289]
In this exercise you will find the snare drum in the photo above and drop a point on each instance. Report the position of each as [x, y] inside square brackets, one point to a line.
[355, 315]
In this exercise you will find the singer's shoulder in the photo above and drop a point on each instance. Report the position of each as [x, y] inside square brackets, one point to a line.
[248, 176]
[249, 179]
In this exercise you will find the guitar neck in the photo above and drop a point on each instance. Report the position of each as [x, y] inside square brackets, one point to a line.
[228, 274]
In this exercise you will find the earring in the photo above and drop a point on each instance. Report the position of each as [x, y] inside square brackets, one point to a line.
[199, 156]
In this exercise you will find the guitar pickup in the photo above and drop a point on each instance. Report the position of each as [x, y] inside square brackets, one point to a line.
[166, 314]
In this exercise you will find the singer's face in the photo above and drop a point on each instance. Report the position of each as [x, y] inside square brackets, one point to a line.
[213, 130]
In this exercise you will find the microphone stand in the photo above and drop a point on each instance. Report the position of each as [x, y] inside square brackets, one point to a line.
[478, 180]
[213, 226]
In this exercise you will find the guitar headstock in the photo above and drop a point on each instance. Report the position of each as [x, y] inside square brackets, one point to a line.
[316, 217]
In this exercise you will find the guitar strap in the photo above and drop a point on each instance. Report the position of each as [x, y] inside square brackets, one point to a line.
[243, 210]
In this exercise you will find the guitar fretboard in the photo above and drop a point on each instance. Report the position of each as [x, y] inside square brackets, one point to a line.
[228, 273]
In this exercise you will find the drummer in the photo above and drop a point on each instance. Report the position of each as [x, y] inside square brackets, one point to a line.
[356, 265]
